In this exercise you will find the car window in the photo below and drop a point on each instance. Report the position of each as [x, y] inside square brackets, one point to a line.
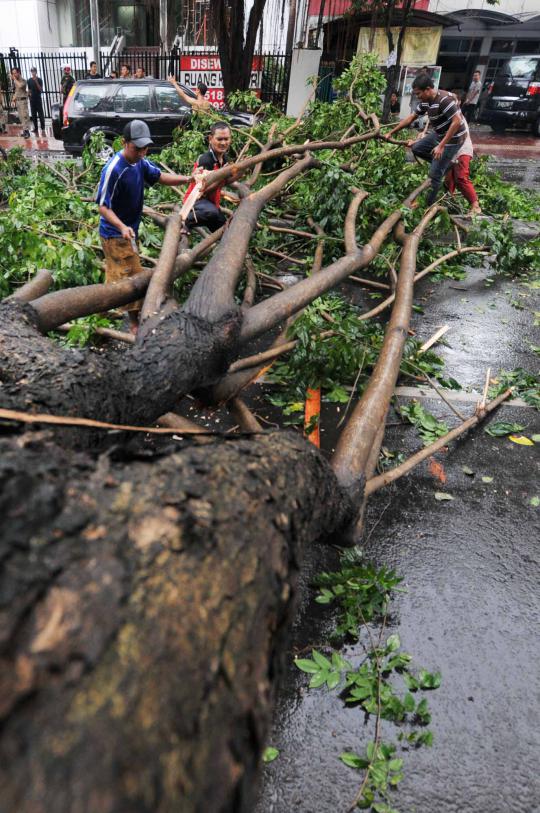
[132, 99]
[168, 100]
[91, 97]
[522, 67]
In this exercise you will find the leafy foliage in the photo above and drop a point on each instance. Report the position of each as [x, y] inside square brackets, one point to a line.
[383, 685]
[524, 384]
[429, 428]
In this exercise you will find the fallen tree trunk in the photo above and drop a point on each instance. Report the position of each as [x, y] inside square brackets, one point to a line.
[143, 605]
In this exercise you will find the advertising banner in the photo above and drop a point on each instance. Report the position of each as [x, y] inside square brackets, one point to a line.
[195, 68]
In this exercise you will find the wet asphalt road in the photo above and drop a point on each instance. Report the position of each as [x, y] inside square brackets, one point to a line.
[471, 609]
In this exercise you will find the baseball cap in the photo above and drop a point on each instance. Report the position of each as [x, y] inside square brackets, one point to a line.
[138, 132]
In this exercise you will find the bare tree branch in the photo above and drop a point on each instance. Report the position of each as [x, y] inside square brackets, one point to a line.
[358, 437]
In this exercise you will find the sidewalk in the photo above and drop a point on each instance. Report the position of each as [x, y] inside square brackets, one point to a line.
[34, 144]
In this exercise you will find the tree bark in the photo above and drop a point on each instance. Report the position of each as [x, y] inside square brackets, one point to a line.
[143, 606]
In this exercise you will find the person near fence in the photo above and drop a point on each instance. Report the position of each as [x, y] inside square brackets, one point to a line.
[3, 113]
[125, 71]
[206, 211]
[20, 100]
[66, 83]
[200, 102]
[35, 87]
[120, 198]
[473, 97]
[441, 145]
[93, 72]
[139, 72]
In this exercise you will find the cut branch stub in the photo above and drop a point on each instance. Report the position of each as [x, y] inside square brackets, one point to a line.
[34, 288]
[162, 278]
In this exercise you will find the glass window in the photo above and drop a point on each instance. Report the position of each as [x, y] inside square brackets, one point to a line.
[132, 99]
[502, 46]
[450, 45]
[527, 47]
[520, 67]
[168, 100]
[91, 97]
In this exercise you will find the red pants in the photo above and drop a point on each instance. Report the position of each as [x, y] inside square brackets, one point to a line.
[458, 176]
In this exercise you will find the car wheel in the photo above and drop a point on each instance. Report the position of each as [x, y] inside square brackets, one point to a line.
[105, 152]
[536, 127]
[498, 128]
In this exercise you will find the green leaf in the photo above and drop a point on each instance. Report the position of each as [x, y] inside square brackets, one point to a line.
[320, 659]
[270, 754]
[535, 502]
[353, 760]
[393, 643]
[501, 428]
[395, 764]
[318, 680]
[306, 665]
[486, 479]
[425, 738]
[467, 470]
[535, 438]
[333, 680]
[441, 496]
[408, 703]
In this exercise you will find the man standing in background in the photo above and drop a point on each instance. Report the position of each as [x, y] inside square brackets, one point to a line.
[20, 100]
[472, 97]
[66, 83]
[35, 87]
[93, 72]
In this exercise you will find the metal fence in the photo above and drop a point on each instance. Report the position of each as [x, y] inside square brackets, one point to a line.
[274, 69]
[49, 68]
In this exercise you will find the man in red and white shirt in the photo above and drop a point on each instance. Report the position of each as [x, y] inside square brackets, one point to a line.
[206, 211]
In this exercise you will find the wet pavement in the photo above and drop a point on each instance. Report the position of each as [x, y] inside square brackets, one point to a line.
[471, 609]
[35, 144]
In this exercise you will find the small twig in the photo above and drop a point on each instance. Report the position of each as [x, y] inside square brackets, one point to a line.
[458, 238]
[443, 397]
[482, 404]
[435, 338]
[59, 420]
[353, 390]
[369, 283]
[280, 255]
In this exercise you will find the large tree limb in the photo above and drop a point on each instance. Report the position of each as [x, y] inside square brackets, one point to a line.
[140, 629]
[358, 436]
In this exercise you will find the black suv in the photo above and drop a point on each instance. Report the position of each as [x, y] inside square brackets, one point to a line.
[513, 98]
[107, 105]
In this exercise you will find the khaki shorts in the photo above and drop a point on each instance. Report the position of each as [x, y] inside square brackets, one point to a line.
[121, 262]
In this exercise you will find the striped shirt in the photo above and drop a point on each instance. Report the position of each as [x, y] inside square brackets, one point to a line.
[440, 112]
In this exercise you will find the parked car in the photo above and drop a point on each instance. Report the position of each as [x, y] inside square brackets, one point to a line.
[107, 105]
[513, 98]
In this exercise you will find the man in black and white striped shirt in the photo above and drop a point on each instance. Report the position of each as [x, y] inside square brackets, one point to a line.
[442, 143]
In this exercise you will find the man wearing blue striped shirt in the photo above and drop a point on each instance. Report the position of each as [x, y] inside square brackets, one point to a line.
[120, 198]
[442, 143]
